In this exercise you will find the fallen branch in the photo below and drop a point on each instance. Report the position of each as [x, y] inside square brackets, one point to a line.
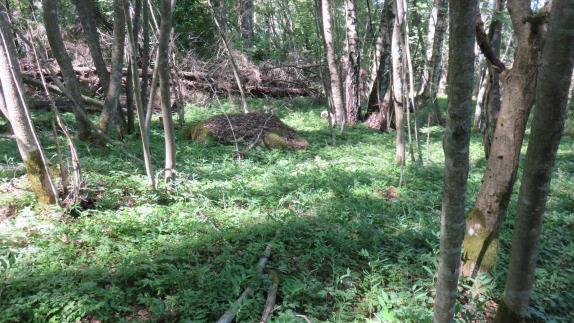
[228, 316]
[52, 88]
[271, 298]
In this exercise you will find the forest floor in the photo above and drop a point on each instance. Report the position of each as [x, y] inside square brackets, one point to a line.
[348, 244]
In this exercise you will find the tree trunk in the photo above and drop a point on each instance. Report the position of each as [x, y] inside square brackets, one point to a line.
[246, 20]
[547, 126]
[110, 112]
[144, 131]
[397, 80]
[145, 54]
[85, 10]
[166, 10]
[336, 87]
[456, 150]
[51, 24]
[14, 105]
[484, 221]
[351, 64]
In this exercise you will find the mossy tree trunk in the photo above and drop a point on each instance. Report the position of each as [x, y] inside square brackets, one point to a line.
[17, 113]
[111, 112]
[547, 126]
[456, 150]
[519, 83]
[51, 23]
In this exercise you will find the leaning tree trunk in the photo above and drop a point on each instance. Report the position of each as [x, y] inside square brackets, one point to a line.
[85, 10]
[54, 35]
[492, 102]
[547, 126]
[336, 87]
[110, 113]
[519, 83]
[456, 151]
[397, 80]
[351, 64]
[166, 10]
[14, 106]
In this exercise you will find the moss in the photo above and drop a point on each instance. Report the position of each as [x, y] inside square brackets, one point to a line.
[199, 133]
[37, 177]
[473, 244]
[279, 140]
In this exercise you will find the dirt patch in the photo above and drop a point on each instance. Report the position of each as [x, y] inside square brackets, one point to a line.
[249, 128]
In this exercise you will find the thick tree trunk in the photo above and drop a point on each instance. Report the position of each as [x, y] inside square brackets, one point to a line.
[110, 113]
[484, 221]
[336, 87]
[164, 71]
[456, 150]
[51, 24]
[397, 80]
[548, 123]
[14, 106]
[85, 10]
[351, 64]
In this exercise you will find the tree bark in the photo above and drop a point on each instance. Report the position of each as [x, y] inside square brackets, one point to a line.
[51, 24]
[548, 124]
[86, 11]
[456, 150]
[166, 10]
[397, 80]
[14, 106]
[351, 64]
[246, 20]
[110, 113]
[336, 87]
[519, 83]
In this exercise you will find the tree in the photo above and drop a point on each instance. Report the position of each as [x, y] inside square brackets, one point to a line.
[54, 35]
[110, 113]
[352, 64]
[14, 106]
[86, 12]
[335, 84]
[397, 79]
[554, 79]
[519, 83]
[456, 151]
[166, 10]
[246, 19]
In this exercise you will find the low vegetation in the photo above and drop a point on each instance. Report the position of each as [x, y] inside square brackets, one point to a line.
[348, 244]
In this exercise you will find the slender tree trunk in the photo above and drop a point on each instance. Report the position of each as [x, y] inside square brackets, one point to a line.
[456, 149]
[246, 20]
[14, 106]
[145, 54]
[166, 10]
[397, 80]
[548, 124]
[351, 64]
[110, 113]
[484, 221]
[51, 24]
[144, 131]
[336, 87]
[86, 12]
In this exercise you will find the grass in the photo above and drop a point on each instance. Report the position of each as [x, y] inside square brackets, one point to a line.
[348, 244]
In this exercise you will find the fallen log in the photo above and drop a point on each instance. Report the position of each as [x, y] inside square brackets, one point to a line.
[52, 88]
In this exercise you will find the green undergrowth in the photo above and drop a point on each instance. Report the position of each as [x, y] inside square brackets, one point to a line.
[348, 243]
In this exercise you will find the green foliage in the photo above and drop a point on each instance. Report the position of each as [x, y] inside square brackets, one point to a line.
[348, 245]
